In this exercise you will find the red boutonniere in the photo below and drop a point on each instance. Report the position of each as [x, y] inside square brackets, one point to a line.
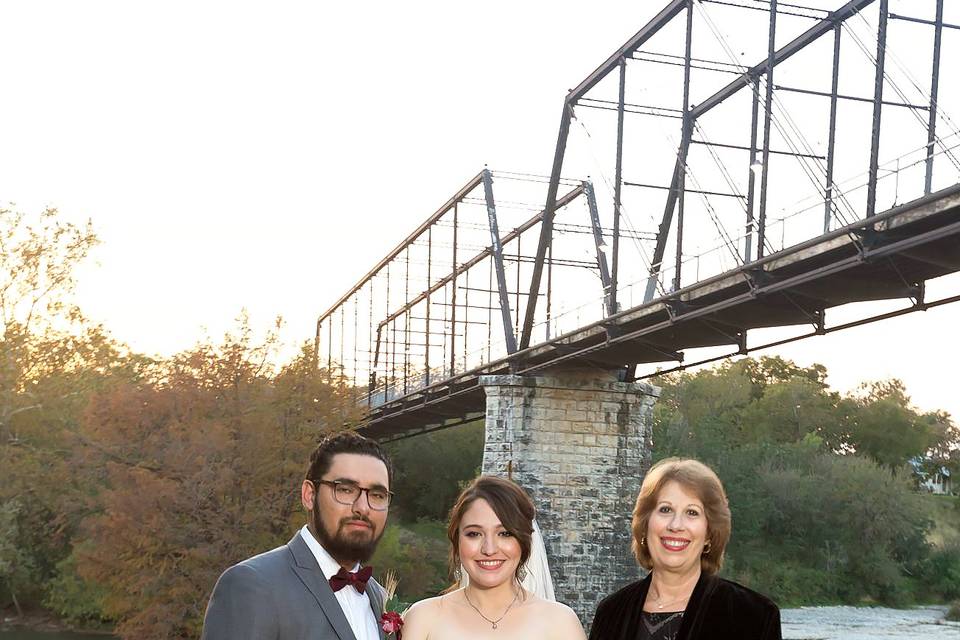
[391, 622]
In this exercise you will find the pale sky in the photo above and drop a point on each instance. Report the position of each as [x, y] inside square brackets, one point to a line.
[265, 155]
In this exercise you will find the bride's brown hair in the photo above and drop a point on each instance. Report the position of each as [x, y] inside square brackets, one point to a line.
[511, 504]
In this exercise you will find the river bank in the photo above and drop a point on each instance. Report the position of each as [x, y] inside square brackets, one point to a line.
[46, 626]
[805, 623]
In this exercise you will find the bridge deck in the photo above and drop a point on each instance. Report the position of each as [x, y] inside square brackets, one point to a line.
[888, 256]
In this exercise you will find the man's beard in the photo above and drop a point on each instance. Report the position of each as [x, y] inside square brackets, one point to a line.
[340, 545]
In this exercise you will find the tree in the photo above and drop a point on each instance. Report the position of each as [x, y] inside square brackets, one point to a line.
[207, 458]
[772, 369]
[18, 570]
[814, 527]
[944, 448]
[812, 522]
[430, 470]
[697, 413]
[789, 410]
[37, 276]
[50, 357]
[887, 428]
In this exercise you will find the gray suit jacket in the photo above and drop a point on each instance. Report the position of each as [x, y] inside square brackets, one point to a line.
[280, 595]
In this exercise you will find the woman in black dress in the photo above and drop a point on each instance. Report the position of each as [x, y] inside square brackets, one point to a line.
[681, 525]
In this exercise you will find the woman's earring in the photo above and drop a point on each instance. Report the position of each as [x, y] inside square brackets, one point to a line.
[643, 541]
[706, 549]
[457, 576]
[522, 574]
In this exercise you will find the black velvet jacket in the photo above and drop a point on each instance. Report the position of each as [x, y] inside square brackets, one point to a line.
[718, 610]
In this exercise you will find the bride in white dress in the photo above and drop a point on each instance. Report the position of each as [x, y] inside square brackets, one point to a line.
[491, 533]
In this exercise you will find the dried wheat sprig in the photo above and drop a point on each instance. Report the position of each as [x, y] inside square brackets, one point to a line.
[390, 583]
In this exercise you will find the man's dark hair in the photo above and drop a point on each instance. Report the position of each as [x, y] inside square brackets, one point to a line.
[344, 442]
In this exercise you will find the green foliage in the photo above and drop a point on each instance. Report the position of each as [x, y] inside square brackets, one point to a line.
[817, 519]
[429, 470]
[940, 573]
[19, 569]
[207, 458]
[945, 512]
[791, 582]
[789, 410]
[813, 527]
[769, 370]
[887, 429]
[72, 598]
[171, 470]
[418, 555]
[953, 613]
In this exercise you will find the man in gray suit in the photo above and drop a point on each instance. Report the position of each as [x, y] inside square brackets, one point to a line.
[313, 588]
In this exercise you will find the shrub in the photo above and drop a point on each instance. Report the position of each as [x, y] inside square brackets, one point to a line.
[941, 573]
[812, 527]
[953, 613]
[73, 598]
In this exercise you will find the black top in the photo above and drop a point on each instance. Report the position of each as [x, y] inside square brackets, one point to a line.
[660, 625]
[718, 609]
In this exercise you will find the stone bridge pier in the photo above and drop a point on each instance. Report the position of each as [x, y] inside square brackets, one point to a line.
[579, 442]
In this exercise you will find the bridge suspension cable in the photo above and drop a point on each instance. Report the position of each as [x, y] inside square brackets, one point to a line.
[426, 321]
[896, 87]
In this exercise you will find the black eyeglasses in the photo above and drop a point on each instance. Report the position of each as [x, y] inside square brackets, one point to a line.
[346, 492]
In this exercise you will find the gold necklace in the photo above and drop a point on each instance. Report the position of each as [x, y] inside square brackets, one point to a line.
[480, 613]
[675, 600]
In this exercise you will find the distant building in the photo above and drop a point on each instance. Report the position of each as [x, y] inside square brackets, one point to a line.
[939, 482]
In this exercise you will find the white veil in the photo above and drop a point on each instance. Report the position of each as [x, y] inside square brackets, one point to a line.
[537, 580]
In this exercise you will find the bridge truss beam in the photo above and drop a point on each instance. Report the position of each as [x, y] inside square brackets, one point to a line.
[464, 294]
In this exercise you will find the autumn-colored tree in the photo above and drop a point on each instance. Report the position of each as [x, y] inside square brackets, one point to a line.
[37, 264]
[176, 468]
[202, 469]
[50, 356]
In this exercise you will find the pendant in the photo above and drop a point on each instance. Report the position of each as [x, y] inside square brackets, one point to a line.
[494, 625]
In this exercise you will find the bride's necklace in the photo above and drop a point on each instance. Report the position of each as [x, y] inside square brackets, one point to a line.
[480, 613]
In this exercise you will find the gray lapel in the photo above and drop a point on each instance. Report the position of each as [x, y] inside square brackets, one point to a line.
[375, 593]
[306, 567]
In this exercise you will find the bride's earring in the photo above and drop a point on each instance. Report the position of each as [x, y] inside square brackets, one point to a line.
[457, 576]
[522, 574]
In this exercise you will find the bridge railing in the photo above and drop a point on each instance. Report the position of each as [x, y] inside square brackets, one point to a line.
[707, 151]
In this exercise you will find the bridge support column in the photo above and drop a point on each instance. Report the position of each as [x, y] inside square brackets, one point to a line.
[579, 442]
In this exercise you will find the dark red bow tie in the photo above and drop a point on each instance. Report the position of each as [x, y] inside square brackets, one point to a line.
[357, 578]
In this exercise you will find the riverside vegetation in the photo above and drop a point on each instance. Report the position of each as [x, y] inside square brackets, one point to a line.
[130, 482]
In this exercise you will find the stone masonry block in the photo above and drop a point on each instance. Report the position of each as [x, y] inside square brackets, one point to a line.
[578, 442]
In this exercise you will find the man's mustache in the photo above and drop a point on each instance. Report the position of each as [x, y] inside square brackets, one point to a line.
[345, 521]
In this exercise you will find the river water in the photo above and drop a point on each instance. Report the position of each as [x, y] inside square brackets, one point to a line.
[808, 623]
[859, 623]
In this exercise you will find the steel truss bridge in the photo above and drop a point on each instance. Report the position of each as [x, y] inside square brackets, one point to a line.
[744, 183]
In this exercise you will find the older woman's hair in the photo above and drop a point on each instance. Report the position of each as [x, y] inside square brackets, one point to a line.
[512, 505]
[699, 479]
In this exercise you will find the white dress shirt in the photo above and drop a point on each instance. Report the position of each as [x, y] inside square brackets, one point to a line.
[355, 605]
